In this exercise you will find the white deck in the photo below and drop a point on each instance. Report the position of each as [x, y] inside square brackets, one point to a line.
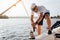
[45, 36]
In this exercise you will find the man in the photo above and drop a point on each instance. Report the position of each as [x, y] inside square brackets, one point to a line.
[42, 13]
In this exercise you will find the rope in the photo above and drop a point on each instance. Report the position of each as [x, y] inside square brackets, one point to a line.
[25, 9]
[10, 7]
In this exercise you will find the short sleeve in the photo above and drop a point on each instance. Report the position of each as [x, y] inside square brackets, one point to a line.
[32, 13]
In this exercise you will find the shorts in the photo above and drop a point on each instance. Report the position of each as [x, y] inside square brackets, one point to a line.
[41, 22]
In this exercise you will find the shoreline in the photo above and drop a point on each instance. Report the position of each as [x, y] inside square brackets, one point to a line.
[25, 17]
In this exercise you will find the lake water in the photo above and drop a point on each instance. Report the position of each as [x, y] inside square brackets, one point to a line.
[17, 28]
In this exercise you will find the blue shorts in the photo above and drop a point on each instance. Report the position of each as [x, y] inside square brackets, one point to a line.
[41, 22]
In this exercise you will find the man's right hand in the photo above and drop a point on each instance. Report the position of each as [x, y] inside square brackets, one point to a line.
[33, 24]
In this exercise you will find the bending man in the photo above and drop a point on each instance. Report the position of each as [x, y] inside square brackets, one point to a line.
[42, 13]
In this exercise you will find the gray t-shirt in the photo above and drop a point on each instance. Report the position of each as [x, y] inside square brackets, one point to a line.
[41, 9]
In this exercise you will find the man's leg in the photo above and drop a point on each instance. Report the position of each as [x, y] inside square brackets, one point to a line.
[39, 26]
[48, 21]
[39, 29]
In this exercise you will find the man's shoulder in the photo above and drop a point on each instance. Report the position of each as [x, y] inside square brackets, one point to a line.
[41, 6]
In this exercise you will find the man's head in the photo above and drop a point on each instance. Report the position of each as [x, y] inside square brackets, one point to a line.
[34, 7]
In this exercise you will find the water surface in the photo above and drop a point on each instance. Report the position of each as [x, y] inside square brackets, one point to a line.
[18, 28]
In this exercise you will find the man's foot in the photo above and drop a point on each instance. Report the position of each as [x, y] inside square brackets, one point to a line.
[32, 36]
[49, 32]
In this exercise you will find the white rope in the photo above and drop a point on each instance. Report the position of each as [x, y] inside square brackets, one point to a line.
[25, 9]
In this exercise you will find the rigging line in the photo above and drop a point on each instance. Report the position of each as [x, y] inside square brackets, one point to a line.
[25, 9]
[10, 7]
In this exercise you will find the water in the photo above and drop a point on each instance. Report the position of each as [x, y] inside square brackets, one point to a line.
[18, 28]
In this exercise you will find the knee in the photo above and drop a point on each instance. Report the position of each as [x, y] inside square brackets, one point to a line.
[47, 16]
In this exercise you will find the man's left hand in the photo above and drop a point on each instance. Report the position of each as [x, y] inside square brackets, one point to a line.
[34, 26]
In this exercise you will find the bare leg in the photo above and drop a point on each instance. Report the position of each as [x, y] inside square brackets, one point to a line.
[39, 29]
[48, 22]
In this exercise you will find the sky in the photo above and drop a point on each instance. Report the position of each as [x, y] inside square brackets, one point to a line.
[52, 5]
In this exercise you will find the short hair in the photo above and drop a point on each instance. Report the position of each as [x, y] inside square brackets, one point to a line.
[33, 8]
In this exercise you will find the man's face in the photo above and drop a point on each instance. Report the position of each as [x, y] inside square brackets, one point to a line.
[36, 9]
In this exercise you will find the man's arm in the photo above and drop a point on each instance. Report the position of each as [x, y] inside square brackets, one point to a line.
[48, 22]
[32, 22]
[32, 16]
[40, 17]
